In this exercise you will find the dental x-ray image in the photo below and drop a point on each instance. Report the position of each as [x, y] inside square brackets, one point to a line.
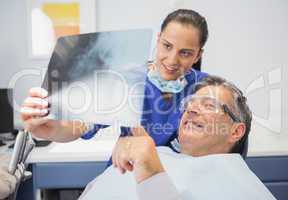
[99, 77]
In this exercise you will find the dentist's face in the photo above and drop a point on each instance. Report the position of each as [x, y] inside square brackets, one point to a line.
[178, 48]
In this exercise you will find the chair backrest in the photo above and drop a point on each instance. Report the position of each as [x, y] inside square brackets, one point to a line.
[244, 149]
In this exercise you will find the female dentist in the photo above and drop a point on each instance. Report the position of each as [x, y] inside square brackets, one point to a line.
[170, 79]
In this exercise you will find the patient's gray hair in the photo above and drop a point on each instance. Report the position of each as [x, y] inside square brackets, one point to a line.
[239, 105]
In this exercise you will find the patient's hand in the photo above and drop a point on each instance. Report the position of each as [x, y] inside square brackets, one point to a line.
[137, 154]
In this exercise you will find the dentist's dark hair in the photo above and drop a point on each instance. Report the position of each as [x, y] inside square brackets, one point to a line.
[193, 18]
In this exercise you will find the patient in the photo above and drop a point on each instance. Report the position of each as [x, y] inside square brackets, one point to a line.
[214, 127]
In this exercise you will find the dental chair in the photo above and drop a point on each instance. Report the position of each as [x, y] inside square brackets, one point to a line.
[17, 166]
[242, 147]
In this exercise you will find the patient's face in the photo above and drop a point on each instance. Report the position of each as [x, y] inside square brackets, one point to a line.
[205, 127]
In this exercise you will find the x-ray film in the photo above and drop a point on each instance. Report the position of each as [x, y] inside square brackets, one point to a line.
[99, 77]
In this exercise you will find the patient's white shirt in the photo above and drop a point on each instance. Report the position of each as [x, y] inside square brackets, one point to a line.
[218, 176]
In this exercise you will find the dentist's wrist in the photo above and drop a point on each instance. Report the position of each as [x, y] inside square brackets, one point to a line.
[79, 128]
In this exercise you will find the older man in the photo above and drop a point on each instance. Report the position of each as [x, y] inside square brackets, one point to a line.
[215, 122]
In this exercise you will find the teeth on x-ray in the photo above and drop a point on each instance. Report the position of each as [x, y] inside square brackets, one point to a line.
[99, 77]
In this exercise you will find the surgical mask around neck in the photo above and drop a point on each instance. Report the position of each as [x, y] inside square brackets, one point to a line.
[171, 86]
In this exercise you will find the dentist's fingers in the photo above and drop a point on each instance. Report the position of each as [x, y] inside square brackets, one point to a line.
[35, 102]
[38, 92]
[27, 112]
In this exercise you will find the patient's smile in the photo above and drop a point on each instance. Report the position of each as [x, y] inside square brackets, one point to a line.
[193, 125]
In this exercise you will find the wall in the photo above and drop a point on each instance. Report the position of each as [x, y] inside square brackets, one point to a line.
[247, 44]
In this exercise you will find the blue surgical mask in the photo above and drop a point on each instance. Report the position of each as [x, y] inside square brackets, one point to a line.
[171, 86]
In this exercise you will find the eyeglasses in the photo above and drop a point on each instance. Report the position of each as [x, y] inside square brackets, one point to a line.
[207, 104]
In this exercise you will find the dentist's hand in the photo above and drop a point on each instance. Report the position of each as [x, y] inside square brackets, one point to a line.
[33, 112]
